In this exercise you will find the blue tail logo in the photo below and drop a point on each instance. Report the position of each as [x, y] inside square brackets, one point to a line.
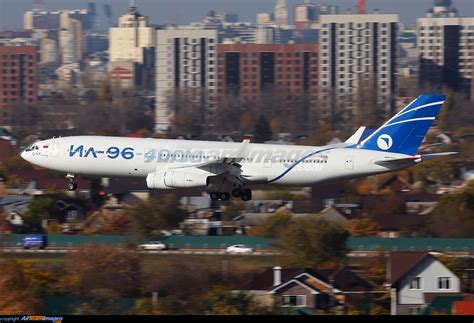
[384, 141]
[405, 131]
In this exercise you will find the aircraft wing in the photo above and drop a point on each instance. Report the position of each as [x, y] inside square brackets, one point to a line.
[238, 156]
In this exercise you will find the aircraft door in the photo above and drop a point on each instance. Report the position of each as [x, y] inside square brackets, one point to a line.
[54, 152]
[349, 163]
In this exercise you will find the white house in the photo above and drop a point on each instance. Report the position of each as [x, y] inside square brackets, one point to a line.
[415, 275]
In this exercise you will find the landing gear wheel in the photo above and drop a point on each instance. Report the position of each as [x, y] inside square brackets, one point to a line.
[214, 196]
[225, 196]
[237, 192]
[72, 186]
[246, 195]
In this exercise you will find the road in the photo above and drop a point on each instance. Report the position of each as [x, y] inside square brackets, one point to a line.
[64, 250]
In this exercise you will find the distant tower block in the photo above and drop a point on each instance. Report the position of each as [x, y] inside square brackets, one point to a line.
[281, 13]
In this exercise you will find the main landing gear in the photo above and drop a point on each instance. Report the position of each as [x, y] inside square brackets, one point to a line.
[72, 185]
[245, 194]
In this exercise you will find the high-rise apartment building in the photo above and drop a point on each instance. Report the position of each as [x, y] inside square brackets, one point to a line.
[307, 14]
[134, 41]
[184, 59]
[281, 13]
[444, 42]
[18, 78]
[51, 20]
[49, 51]
[247, 69]
[356, 50]
[70, 40]
[132, 38]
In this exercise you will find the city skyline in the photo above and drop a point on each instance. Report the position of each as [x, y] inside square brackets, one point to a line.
[172, 11]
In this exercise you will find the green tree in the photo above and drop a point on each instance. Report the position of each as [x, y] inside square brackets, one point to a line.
[148, 217]
[277, 223]
[313, 242]
[262, 130]
[38, 210]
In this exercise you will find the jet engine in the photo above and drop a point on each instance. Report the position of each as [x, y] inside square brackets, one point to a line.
[176, 179]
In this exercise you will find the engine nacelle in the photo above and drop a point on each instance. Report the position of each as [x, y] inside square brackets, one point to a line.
[176, 179]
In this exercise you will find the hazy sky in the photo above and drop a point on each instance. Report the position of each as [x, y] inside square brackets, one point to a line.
[185, 11]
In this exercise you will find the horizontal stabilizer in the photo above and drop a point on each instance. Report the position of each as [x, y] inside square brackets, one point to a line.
[410, 159]
[428, 156]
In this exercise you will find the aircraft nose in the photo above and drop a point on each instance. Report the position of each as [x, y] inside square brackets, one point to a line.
[25, 156]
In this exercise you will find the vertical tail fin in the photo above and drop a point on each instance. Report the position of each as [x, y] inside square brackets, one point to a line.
[405, 131]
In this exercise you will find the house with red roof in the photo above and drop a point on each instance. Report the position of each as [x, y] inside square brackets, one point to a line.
[309, 290]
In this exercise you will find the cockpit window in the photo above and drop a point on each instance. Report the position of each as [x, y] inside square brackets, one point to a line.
[32, 147]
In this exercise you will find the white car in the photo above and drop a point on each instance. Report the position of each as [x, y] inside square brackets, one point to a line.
[239, 248]
[153, 245]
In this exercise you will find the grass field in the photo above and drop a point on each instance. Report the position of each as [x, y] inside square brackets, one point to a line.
[151, 262]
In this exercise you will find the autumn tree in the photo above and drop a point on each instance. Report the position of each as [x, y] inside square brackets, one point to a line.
[375, 268]
[362, 227]
[453, 216]
[224, 302]
[313, 242]
[110, 269]
[16, 289]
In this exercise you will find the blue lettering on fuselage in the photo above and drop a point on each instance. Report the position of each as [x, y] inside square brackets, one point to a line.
[111, 152]
[80, 150]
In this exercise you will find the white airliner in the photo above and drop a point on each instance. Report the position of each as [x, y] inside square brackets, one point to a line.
[231, 168]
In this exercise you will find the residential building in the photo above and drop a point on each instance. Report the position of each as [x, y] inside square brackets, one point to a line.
[95, 42]
[49, 51]
[70, 41]
[124, 74]
[40, 19]
[251, 69]
[264, 18]
[309, 289]
[185, 59]
[280, 13]
[413, 277]
[357, 52]
[18, 77]
[132, 38]
[229, 30]
[51, 20]
[134, 41]
[306, 15]
[444, 53]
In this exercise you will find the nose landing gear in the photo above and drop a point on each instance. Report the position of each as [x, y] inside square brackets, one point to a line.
[72, 185]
